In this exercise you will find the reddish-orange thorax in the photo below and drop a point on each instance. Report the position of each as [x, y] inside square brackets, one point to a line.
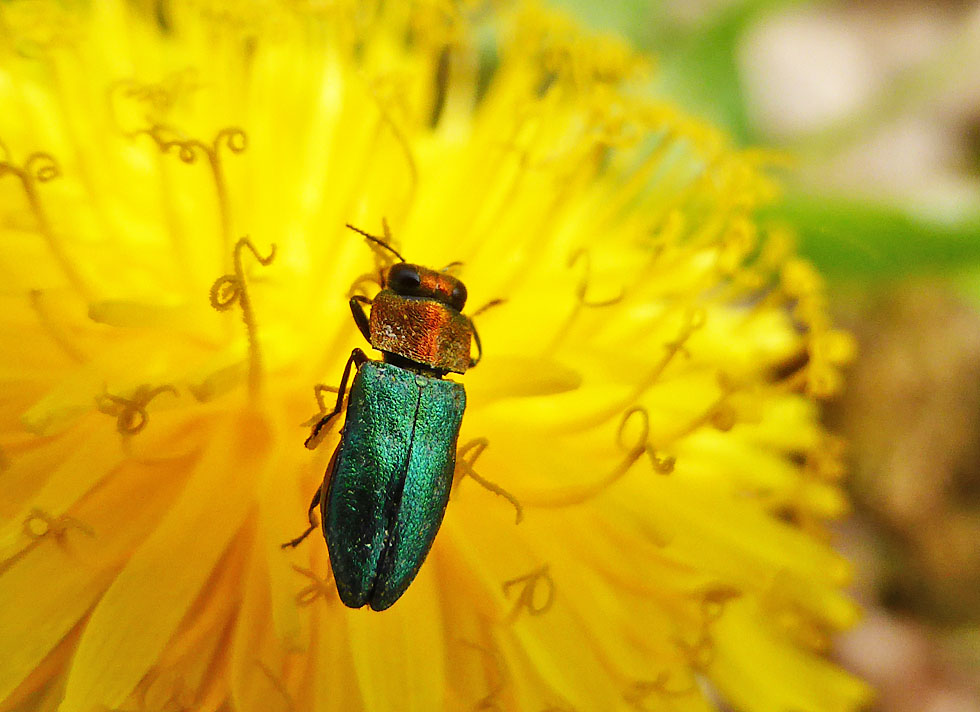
[422, 329]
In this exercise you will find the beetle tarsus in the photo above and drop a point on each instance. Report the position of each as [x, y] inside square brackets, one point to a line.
[293, 543]
[314, 439]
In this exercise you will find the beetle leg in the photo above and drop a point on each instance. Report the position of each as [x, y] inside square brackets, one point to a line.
[313, 505]
[357, 357]
[474, 360]
[360, 318]
[476, 335]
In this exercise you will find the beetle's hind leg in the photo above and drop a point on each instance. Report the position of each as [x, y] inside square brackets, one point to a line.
[313, 524]
[357, 358]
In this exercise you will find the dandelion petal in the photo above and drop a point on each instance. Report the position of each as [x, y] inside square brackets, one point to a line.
[140, 611]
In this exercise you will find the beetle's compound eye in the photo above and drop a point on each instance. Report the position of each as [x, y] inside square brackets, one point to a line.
[404, 279]
[458, 298]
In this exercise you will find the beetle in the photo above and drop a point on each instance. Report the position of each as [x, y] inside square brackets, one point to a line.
[386, 487]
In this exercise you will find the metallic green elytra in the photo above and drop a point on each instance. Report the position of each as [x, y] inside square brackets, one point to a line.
[390, 483]
[385, 491]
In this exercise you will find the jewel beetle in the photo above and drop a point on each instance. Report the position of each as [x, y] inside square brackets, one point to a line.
[385, 491]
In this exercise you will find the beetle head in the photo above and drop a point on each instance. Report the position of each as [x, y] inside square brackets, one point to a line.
[409, 280]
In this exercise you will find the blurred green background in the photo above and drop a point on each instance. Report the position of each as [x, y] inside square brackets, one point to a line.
[833, 83]
[877, 105]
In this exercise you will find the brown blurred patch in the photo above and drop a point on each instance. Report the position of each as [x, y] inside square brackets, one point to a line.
[912, 414]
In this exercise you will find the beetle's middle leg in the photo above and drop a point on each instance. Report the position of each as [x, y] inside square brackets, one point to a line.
[313, 505]
[357, 358]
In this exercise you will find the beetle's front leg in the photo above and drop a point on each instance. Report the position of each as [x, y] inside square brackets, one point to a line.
[474, 360]
[357, 358]
[360, 317]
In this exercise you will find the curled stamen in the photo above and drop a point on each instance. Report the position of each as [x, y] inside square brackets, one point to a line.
[662, 465]
[569, 496]
[528, 597]
[583, 287]
[493, 657]
[693, 320]
[701, 653]
[465, 466]
[713, 602]
[320, 588]
[42, 168]
[52, 526]
[130, 413]
[721, 415]
[225, 292]
[168, 141]
[230, 289]
[640, 691]
[38, 526]
[187, 150]
[232, 138]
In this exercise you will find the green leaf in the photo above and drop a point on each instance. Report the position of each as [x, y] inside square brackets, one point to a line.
[846, 237]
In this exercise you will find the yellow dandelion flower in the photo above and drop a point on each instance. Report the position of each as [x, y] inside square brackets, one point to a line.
[647, 400]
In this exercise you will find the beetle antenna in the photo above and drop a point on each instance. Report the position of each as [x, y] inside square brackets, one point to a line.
[378, 241]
